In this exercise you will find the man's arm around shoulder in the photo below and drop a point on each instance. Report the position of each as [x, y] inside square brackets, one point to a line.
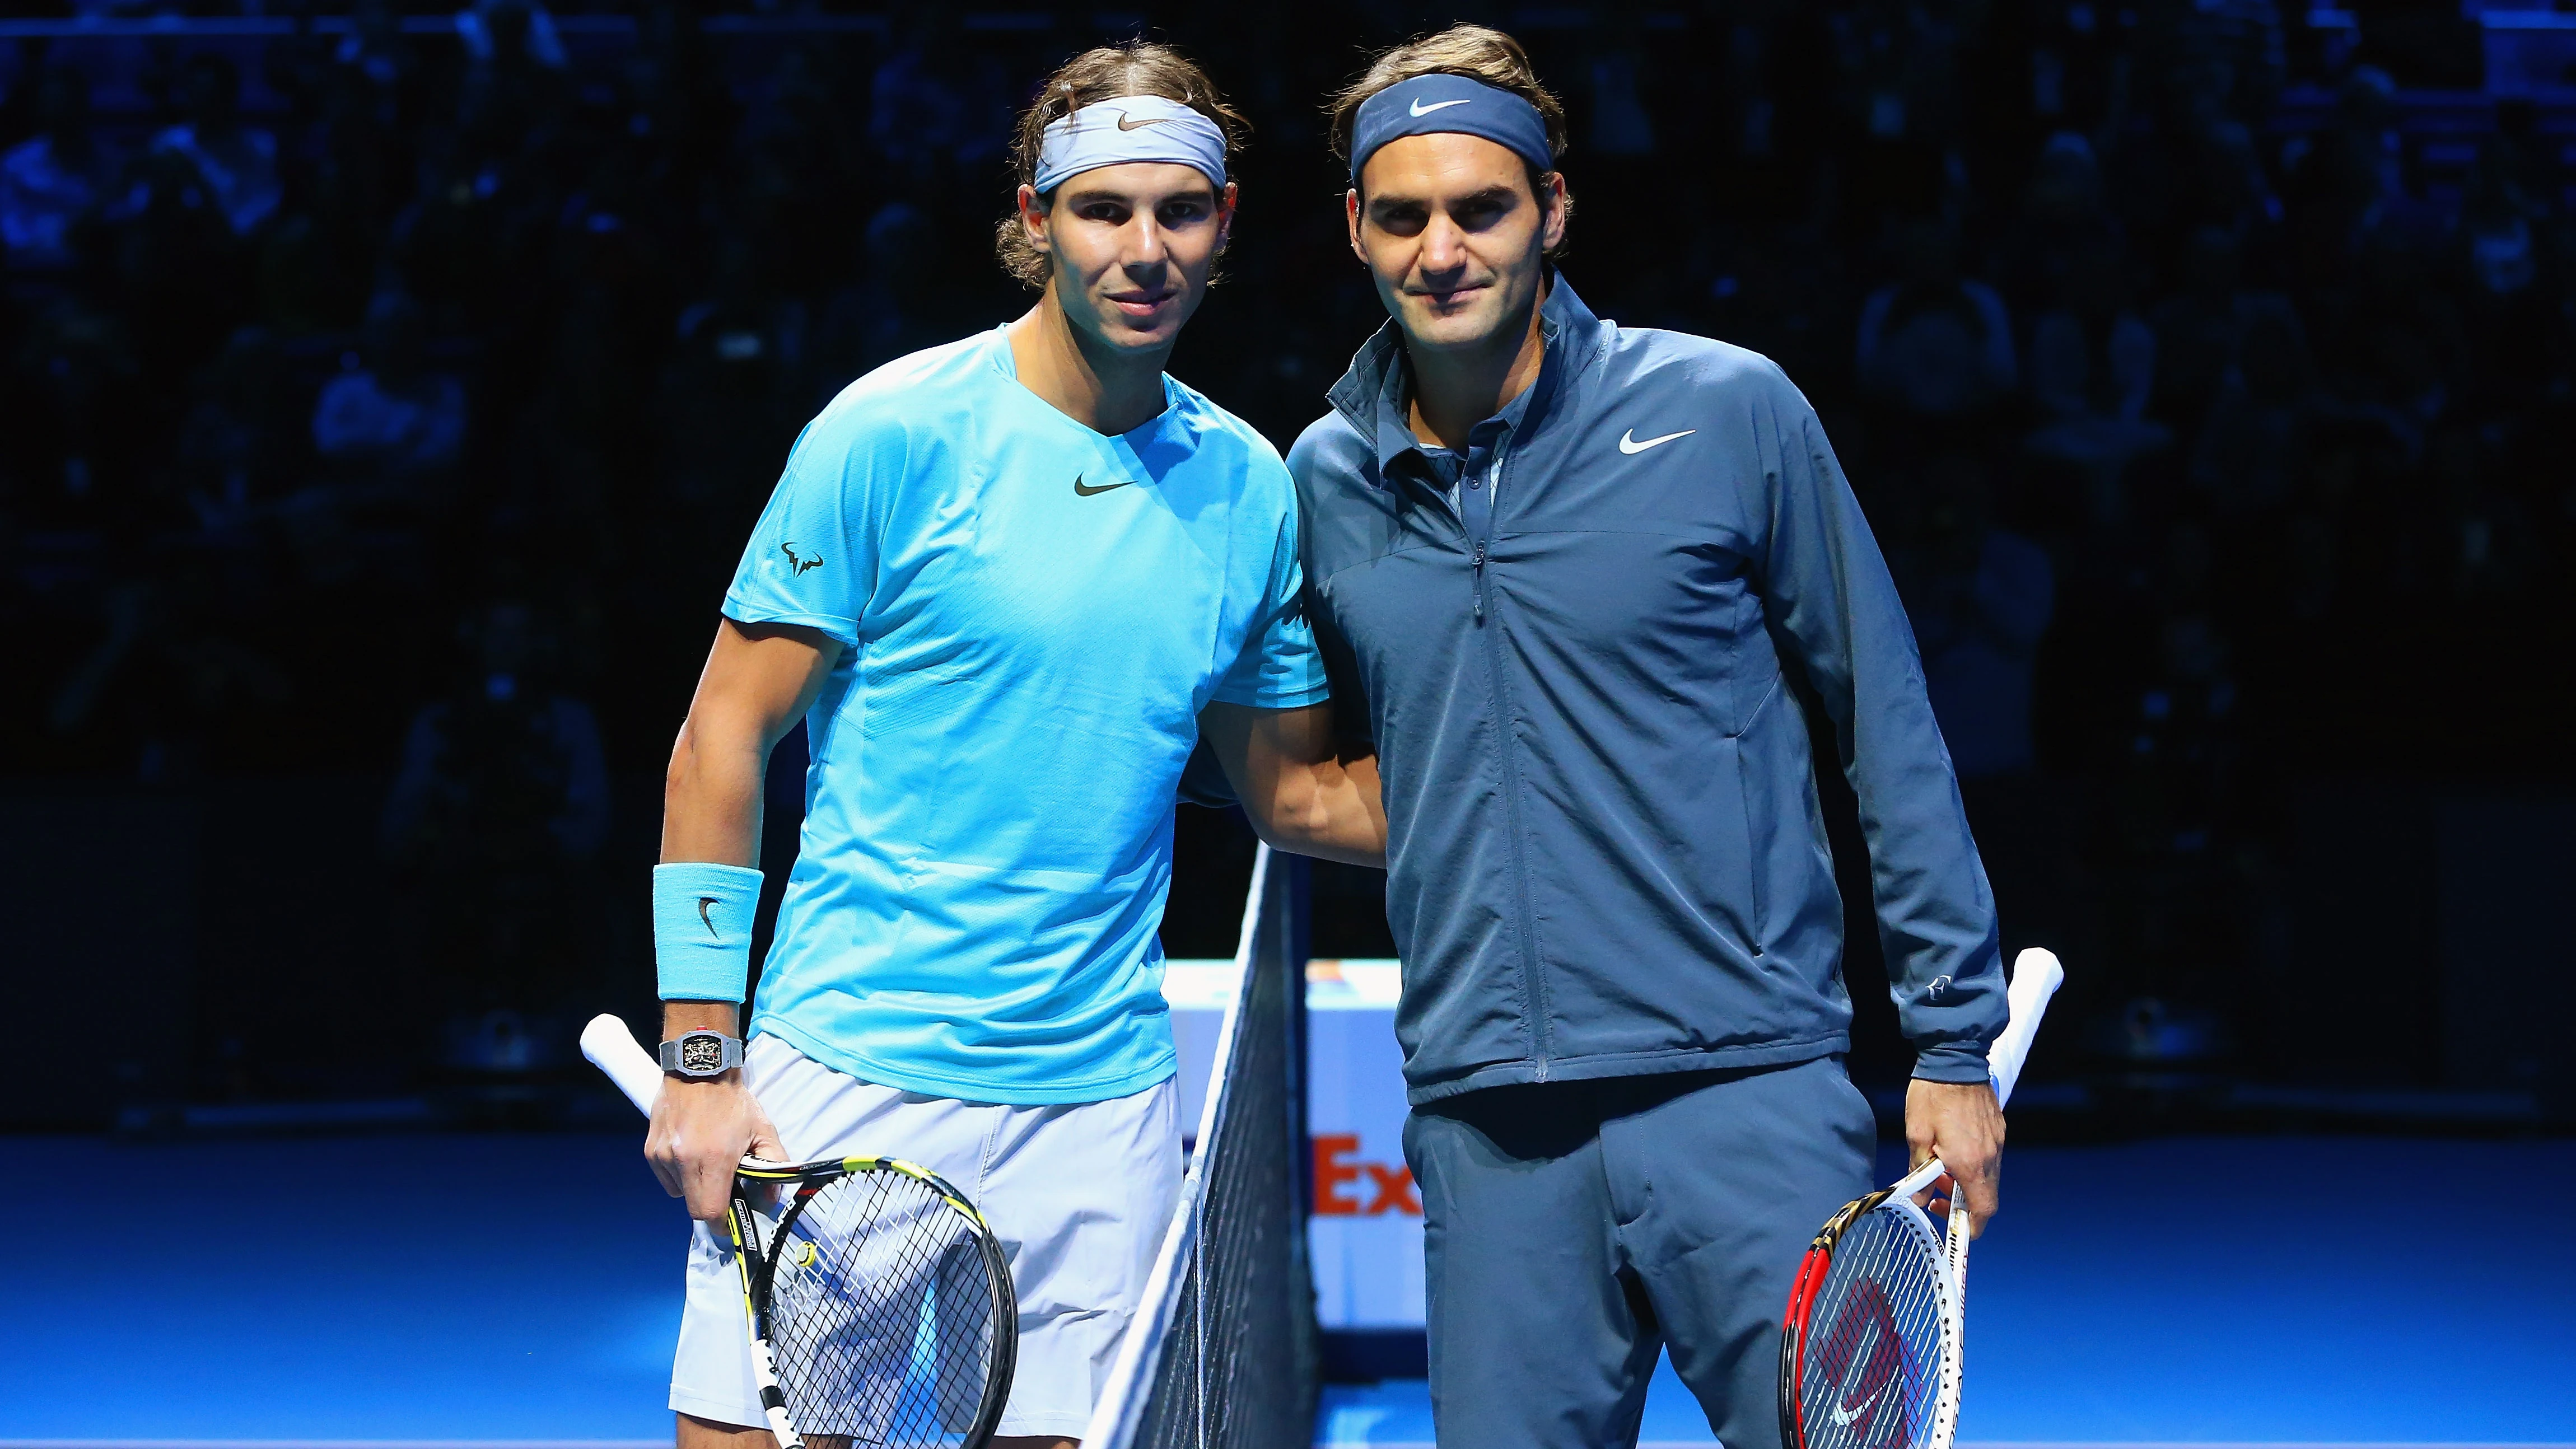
[1303, 791]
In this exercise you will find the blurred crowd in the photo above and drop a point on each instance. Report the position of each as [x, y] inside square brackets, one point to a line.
[391, 400]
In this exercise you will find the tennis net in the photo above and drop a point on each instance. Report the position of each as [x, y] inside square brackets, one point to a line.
[1222, 1351]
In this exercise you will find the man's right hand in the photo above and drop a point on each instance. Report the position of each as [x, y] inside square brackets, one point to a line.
[701, 1131]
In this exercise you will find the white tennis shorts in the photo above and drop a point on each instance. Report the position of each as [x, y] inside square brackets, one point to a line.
[1079, 1196]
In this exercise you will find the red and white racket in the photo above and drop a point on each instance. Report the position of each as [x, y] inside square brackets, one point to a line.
[1869, 1351]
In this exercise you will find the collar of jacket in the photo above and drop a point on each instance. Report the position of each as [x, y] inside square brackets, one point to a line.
[1371, 396]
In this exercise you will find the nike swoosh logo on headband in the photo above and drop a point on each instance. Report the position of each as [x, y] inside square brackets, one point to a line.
[1125, 124]
[1420, 110]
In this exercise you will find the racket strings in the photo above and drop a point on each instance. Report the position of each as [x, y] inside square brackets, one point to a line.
[881, 1315]
[1876, 1340]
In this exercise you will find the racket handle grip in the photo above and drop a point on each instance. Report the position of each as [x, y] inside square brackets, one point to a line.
[2036, 977]
[613, 1049]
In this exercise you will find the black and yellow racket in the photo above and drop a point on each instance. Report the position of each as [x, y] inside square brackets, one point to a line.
[878, 1302]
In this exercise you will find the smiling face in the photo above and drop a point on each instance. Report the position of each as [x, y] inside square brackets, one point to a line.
[1130, 249]
[1454, 237]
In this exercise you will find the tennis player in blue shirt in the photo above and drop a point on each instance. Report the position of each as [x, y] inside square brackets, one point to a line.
[1007, 584]
[1568, 575]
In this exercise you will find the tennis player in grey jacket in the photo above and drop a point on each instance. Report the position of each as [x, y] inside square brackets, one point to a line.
[1560, 569]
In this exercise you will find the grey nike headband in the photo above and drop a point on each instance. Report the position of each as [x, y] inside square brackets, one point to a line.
[1433, 103]
[1128, 129]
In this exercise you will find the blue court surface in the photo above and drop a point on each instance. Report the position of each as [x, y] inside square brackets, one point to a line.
[462, 1288]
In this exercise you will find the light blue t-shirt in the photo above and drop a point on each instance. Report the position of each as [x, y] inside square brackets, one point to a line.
[1033, 615]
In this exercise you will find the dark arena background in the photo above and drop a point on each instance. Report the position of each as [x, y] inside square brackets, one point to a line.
[386, 393]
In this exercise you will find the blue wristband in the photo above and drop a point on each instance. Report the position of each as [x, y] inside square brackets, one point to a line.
[702, 929]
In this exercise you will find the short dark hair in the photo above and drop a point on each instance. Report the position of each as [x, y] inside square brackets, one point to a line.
[1478, 52]
[1137, 68]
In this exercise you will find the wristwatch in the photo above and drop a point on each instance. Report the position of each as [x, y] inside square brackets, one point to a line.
[701, 1054]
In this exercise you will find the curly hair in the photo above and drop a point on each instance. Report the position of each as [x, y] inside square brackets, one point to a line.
[1137, 68]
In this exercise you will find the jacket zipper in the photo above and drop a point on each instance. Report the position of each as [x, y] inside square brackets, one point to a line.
[1533, 984]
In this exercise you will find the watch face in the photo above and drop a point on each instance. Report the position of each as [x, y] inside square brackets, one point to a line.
[702, 1054]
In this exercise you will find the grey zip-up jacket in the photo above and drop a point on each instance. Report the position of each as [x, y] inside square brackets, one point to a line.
[1606, 851]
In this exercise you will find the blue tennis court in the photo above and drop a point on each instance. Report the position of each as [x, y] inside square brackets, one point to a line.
[486, 1288]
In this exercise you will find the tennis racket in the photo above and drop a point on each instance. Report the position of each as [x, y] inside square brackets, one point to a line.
[878, 1302]
[1869, 1351]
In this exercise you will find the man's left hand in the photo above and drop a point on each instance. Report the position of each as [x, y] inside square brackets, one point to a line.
[1959, 1123]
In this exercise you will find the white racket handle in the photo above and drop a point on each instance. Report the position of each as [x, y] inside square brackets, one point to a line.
[613, 1049]
[2036, 977]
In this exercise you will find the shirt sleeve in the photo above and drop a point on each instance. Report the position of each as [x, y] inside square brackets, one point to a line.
[1834, 606]
[1279, 667]
[812, 559]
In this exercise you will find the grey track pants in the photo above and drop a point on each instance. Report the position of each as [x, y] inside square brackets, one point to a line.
[1572, 1229]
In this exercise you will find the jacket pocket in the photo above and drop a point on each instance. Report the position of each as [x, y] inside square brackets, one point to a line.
[1756, 793]
[1711, 867]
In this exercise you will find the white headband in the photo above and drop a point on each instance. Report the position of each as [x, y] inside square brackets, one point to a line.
[1126, 129]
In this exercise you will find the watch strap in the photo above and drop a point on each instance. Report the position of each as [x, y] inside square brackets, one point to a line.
[701, 1053]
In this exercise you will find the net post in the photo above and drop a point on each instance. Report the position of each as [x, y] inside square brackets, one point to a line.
[1221, 1351]
[1294, 912]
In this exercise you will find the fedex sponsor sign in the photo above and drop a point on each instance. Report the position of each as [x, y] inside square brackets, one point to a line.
[1365, 1235]
[1338, 1165]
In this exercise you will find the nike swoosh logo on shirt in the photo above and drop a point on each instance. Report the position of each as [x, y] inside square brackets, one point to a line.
[1125, 124]
[1082, 492]
[1628, 440]
[1419, 109]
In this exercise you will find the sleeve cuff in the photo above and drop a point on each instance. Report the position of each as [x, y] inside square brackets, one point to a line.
[1275, 698]
[1962, 1063]
[742, 611]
